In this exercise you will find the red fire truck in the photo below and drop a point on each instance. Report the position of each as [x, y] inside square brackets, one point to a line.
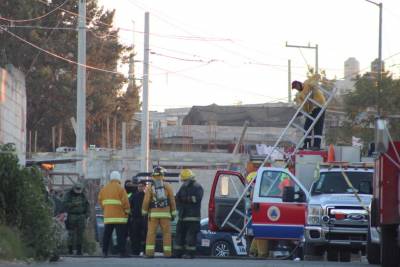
[383, 237]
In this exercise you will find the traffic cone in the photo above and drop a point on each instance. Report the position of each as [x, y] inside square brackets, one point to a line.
[331, 153]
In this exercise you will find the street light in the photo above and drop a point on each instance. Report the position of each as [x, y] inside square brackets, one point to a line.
[380, 5]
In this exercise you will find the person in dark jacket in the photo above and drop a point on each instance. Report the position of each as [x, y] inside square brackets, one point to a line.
[188, 201]
[137, 222]
[76, 206]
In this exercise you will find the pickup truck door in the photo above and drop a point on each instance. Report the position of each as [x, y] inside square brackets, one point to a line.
[273, 218]
[225, 191]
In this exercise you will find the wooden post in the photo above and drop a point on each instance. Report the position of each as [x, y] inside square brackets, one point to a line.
[53, 138]
[123, 136]
[60, 132]
[115, 133]
[35, 145]
[108, 132]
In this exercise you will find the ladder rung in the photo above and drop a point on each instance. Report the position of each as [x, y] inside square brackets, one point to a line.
[315, 102]
[241, 214]
[233, 226]
[299, 127]
[307, 115]
[325, 91]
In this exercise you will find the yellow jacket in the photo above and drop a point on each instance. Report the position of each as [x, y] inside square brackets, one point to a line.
[114, 202]
[317, 95]
[157, 212]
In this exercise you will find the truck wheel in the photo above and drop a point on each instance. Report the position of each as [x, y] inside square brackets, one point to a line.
[345, 255]
[332, 254]
[389, 248]
[373, 250]
[311, 250]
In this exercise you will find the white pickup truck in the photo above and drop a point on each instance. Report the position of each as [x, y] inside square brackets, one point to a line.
[336, 219]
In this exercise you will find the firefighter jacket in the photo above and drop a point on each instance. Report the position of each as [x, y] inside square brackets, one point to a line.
[188, 200]
[114, 202]
[156, 208]
[317, 95]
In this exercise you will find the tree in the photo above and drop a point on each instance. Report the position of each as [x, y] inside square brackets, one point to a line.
[361, 107]
[51, 82]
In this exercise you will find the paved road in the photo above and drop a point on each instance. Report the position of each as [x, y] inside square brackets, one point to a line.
[141, 262]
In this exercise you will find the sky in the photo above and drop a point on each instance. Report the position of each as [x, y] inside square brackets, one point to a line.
[228, 52]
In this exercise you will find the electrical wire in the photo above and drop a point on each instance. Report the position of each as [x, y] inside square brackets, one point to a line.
[58, 56]
[37, 18]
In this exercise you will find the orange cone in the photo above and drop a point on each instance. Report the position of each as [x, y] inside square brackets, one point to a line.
[331, 153]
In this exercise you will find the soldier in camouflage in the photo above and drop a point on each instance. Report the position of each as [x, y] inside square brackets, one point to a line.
[76, 206]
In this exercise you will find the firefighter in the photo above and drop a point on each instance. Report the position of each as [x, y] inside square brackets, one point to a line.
[76, 206]
[188, 200]
[313, 110]
[114, 202]
[138, 222]
[159, 205]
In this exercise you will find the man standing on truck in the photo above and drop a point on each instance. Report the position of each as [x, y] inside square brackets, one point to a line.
[159, 205]
[188, 200]
[313, 110]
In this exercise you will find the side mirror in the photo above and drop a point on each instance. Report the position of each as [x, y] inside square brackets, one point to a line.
[288, 194]
[381, 136]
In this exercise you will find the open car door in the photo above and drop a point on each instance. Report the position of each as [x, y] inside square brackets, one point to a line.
[226, 190]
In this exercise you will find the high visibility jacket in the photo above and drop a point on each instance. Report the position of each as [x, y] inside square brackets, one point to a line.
[188, 200]
[156, 212]
[317, 95]
[114, 202]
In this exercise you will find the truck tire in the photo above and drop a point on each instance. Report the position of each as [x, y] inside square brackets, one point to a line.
[345, 255]
[373, 250]
[389, 248]
[332, 254]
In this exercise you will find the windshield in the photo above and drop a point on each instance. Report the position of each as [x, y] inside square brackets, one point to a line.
[334, 183]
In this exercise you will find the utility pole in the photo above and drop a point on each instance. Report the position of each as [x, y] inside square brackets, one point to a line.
[81, 92]
[289, 81]
[144, 163]
[308, 47]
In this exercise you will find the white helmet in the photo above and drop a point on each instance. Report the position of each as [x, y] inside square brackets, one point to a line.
[115, 175]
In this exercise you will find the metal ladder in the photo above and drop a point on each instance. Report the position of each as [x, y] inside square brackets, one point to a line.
[329, 95]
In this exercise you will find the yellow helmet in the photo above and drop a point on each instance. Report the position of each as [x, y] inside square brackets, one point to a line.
[186, 174]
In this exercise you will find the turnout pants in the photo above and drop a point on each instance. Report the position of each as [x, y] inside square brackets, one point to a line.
[137, 234]
[185, 240]
[152, 232]
[318, 128]
[121, 237]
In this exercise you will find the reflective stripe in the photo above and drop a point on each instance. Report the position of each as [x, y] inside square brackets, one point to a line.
[318, 136]
[194, 199]
[144, 212]
[115, 220]
[129, 195]
[190, 248]
[160, 214]
[150, 247]
[167, 248]
[111, 202]
[178, 247]
[191, 219]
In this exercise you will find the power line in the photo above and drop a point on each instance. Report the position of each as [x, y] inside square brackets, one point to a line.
[58, 56]
[37, 18]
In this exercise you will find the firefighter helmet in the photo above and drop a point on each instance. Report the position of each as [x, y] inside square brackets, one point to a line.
[186, 174]
[158, 171]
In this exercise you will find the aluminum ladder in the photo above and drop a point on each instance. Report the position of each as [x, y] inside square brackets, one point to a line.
[329, 95]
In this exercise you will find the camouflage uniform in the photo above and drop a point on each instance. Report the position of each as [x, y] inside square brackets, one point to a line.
[77, 207]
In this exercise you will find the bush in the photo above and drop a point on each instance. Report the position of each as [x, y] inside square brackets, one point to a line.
[24, 204]
[11, 245]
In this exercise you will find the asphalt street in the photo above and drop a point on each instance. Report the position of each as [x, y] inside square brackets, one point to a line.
[199, 262]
